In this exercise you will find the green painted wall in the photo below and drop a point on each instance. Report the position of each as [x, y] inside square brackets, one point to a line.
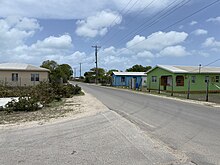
[198, 86]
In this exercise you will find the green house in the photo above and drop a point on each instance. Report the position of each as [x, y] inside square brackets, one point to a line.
[184, 78]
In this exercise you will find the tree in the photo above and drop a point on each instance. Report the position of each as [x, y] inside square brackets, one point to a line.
[109, 73]
[138, 68]
[58, 73]
[91, 75]
[67, 70]
[49, 64]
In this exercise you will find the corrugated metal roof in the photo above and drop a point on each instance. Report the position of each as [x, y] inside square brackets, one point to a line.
[21, 66]
[189, 69]
[130, 73]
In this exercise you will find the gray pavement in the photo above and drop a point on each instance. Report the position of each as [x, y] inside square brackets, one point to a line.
[190, 128]
[104, 138]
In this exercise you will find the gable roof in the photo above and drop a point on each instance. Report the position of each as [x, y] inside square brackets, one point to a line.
[21, 67]
[130, 73]
[187, 69]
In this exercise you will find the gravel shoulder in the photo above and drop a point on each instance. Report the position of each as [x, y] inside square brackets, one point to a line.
[69, 108]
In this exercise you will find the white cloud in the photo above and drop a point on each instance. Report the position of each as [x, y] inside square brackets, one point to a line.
[212, 42]
[174, 51]
[145, 54]
[98, 24]
[62, 42]
[200, 32]
[216, 19]
[157, 41]
[193, 23]
[72, 9]
[15, 30]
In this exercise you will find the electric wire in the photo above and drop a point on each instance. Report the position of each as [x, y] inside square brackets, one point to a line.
[161, 17]
[175, 23]
[121, 12]
[131, 21]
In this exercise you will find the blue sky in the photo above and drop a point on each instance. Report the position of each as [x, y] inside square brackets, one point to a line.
[64, 30]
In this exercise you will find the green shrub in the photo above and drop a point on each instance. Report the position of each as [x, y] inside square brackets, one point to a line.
[23, 104]
[42, 94]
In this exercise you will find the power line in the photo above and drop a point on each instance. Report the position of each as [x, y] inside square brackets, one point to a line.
[164, 15]
[145, 7]
[198, 11]
[181, 20]
[121, 14]
[211, 63]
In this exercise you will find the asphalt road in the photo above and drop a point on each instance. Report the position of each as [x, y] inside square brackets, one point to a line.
[191, 128]
[105, 138]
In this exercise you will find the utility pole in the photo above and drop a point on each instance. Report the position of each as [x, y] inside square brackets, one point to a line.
[96, 62]
[80, 69]
[74, 72]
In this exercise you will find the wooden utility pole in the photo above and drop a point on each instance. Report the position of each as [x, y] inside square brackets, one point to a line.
[96, 62]
[74, 72]
[80, 69]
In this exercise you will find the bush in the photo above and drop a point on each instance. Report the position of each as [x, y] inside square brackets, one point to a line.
[23, 104]
[42, 94]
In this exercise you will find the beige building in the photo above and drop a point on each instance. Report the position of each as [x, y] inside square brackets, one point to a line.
[16, 74]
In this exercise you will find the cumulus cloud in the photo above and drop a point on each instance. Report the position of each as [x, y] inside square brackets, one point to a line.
[145, 54]
[200, 32]
[52, 42]
[216, 20]
[193, 23]
[15, 30]
[157, 41]
[174, 51]
[97, 24]
[212, 42]
[72, 9]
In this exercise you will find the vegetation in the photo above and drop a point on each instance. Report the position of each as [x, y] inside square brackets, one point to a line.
[38, 96]
[138, 68]
[58, 73]
[103, 77]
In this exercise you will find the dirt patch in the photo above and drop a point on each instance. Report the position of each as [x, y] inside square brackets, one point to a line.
[70, 108]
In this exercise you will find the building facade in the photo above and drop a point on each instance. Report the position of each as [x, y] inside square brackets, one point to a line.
[14, 74]
[129, 79]
[184, 78]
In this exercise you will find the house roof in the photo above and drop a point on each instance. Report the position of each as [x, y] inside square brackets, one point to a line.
[21, 67]
[130, 73]
[188, 69]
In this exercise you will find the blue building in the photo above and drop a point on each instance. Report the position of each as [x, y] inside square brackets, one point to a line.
[129, 79]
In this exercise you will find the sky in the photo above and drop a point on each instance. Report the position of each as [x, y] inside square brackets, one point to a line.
[129, 32]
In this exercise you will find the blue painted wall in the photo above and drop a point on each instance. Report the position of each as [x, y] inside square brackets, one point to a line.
[116, 80]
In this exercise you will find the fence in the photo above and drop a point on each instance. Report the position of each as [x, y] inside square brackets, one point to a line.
[203, 95]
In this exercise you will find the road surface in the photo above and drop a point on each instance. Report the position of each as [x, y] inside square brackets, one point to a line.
[98, 138]
[191, 128]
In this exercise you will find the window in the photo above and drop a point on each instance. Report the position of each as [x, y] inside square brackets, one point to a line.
[122, 79]
[193, 79]
[14, 77]
[154, 78]
[35, 77]
[206, 79]
[179, 81]
[217, 79]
